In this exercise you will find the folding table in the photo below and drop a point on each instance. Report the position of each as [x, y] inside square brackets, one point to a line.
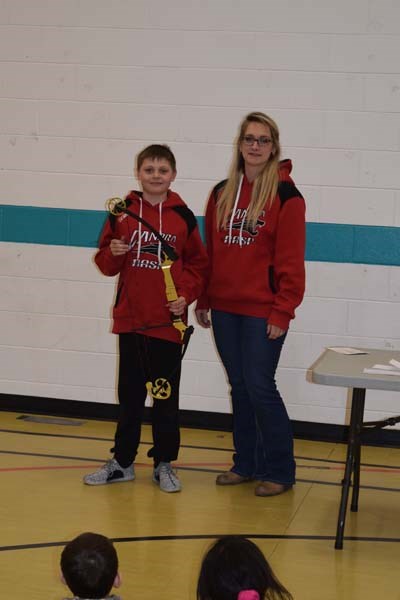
[347, 370]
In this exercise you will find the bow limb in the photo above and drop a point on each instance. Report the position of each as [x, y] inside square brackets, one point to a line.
[171, 293]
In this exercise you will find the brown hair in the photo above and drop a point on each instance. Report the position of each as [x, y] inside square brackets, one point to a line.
[89, 564]
[156, 151]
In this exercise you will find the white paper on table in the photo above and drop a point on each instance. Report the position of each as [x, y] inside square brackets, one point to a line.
[395, 372]
[384, 367]
[395, 363]
[343, 350]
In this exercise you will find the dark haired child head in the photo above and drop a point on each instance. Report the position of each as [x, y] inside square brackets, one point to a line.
[234, 568]
[155, 171]
[156, 152]
[89, 566]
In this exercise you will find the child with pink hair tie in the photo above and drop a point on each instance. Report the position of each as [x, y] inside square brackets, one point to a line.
[234, 568]
[248, 595]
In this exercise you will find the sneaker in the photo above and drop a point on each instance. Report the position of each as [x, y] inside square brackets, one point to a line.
[111, 472]
[166, 478]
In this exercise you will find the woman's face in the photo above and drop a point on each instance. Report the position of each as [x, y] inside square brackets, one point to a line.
[256, 145]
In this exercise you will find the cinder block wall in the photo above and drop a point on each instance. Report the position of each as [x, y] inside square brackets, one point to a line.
[86, 84]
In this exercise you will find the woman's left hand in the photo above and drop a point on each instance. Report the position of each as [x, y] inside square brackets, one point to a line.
[177, 307]
[273, 331]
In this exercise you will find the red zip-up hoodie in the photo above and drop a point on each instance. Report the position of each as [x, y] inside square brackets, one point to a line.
[140, 303]
[258, 271]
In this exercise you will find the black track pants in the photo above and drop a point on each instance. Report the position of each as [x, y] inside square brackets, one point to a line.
[141, 359]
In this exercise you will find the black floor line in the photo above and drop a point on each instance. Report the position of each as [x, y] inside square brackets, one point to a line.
[101, 439]
[191, 446]
[63, 457]
[184, 468]
[338, 484]
[161, 538]
[342, 462]
[57, 435]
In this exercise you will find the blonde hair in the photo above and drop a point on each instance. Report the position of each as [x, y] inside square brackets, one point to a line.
[265, 185]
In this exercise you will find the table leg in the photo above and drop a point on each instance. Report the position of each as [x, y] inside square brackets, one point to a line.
[357, 447]
[353, 442]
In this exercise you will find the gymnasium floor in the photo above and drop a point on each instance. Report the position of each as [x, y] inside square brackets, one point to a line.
[160, 538]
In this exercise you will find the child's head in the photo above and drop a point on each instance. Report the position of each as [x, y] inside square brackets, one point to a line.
[155, 170]
[156, 152]
[235, 566]
[89, 566]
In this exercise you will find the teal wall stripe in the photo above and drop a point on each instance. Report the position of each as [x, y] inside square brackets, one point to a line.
[326, 242]
[54, 226]
[34, 225]
[377, 245]
[85, 227]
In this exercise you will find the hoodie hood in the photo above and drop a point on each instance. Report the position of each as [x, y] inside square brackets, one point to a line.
[285, 168]
[172, 199]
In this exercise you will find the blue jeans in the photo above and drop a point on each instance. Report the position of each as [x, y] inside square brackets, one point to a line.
[262, 433]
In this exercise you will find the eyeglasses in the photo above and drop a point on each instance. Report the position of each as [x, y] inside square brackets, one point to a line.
[261, 141]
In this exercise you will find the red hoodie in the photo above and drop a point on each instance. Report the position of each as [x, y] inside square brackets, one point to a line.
[140, 303]
[258, 272]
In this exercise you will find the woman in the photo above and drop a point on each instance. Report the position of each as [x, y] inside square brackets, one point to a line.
[255, 231]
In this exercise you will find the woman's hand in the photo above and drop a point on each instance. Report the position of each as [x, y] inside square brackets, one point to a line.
[202, 317]
[273, 331]
[119, 247]
[177, 307]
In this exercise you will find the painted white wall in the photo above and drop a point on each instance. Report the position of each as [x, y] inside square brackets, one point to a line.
[85, 84]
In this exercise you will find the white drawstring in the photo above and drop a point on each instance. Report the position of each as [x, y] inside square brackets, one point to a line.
[139, 243]
[234, 208]
[160, 231]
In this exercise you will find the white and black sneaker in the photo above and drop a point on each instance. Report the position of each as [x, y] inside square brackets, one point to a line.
[166, 478]
[110, 472]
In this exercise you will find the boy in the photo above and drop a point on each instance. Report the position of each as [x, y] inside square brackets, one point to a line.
[89, 566]
[148, 322]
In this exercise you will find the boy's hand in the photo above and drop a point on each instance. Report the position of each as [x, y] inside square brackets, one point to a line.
[177, 307]
[119, 247]
[202, 317]
[273, 332]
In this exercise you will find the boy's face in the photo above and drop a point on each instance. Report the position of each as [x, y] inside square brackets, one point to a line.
[155, 176]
